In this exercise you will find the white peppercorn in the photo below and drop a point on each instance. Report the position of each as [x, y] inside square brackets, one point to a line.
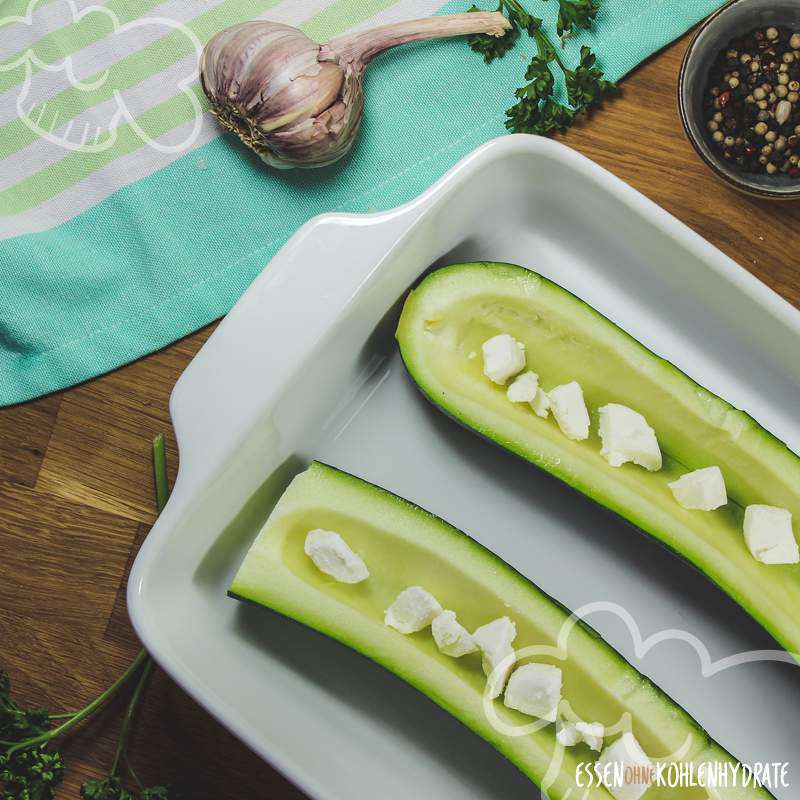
[783, 111]
[753, 93]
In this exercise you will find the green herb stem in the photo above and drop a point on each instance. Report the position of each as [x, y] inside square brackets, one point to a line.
[85, 712]
[160, 472]
[130, 713]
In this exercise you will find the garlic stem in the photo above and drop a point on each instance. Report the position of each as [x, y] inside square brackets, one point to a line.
[358, 49]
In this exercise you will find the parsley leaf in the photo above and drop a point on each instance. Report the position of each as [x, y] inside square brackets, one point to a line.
[31, 774]
[492, 47]
[536, 110]
[110, 788]
[17, 724]
[586, 87]
[575, 14]
[540, 119]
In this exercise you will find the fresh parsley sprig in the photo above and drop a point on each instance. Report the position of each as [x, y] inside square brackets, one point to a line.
[575, 14]
[586, 86]
[30, 767]
[492, 47]
[536, 110]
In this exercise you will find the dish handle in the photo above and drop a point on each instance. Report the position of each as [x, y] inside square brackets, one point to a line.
[295, 299]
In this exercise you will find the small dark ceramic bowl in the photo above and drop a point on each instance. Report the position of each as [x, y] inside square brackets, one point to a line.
[734, 19]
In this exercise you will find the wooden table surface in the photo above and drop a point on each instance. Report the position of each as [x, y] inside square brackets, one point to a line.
[76, 490]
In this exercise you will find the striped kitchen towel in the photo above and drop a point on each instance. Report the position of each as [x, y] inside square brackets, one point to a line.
[128, 221]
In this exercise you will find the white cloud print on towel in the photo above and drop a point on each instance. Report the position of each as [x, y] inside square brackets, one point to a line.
[102, 108]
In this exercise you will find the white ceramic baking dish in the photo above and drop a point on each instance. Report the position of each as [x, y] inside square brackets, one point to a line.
[305, 366]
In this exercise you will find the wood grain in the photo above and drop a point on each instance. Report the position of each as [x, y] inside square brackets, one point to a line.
[76, 489]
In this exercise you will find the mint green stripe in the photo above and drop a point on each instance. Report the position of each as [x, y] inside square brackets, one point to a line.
[158, 120]
[54, 46]
[133, 69]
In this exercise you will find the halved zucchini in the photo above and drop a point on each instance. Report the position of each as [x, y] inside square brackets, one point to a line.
[403, 545]
[455, 309]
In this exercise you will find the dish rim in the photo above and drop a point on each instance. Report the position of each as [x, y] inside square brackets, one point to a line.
[399, 224]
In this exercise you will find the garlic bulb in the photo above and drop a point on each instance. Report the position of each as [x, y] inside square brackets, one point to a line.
[298, 103]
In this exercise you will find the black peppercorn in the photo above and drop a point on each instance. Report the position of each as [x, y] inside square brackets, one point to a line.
[752, 102]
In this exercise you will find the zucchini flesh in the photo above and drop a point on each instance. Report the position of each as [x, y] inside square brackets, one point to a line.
[455, 309]
[404, 545]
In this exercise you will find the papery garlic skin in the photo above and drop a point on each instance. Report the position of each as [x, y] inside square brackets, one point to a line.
[298, 103]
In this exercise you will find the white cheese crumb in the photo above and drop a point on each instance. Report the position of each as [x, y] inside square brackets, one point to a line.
[625, 753]
[413, 609]
[332, 555]
[626, 436]
[523, 388]
[494, 641]
[535, 689]
[701, 490]
[451, 637]
[571, 733]
[541, 403]
[569, 409]
[567, 733]
[592, 733]
[769, 536]
[503, 357]
[472, 355]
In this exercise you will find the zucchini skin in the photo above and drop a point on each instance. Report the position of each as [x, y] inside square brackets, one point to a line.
[495, 565]
[787, 636]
